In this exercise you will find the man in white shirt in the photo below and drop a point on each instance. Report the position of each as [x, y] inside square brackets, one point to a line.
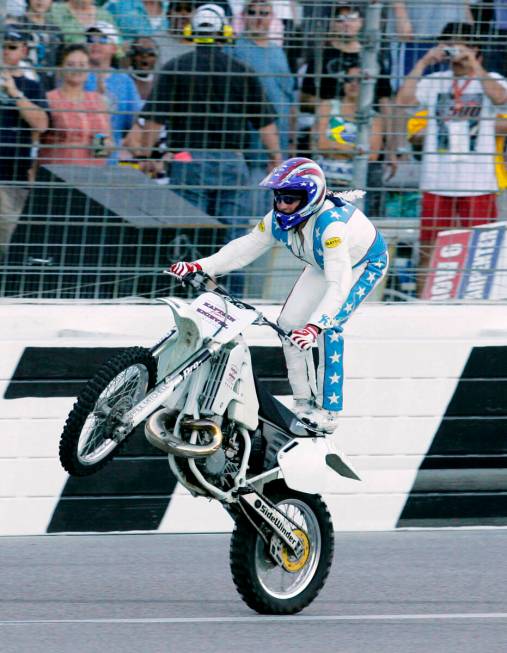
[345, 257]
[458, 177]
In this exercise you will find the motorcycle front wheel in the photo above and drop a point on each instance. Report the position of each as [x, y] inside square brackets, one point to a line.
[88, 439]
[264, 585]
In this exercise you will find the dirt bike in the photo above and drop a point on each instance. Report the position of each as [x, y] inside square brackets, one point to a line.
[227, 438]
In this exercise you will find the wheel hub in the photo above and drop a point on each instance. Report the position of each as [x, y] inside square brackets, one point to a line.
[290, 562]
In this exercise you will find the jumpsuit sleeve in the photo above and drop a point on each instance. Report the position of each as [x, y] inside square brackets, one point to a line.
[337, 272]
[240, 252]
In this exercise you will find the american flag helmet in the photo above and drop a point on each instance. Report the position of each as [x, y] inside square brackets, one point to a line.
[299, 174]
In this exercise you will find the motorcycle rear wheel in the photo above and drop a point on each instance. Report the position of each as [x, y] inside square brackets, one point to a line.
[87, 442]
[268, 588]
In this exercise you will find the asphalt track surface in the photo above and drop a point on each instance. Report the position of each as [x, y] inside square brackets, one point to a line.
[404, 592]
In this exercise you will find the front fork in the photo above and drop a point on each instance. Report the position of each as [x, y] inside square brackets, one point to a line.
[278, 523]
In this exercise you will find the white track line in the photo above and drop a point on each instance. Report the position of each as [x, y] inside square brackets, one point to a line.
[266, 618]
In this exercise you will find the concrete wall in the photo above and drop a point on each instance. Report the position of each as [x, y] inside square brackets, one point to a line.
[424, 422]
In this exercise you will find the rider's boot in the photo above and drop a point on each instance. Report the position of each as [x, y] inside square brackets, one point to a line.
[303, 408]
[326, 420]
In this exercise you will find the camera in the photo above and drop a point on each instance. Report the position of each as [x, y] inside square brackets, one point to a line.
[452, 51]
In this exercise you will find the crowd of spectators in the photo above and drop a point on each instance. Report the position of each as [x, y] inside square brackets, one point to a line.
[209, 98]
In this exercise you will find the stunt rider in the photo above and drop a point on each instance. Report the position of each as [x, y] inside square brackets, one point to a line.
[345, 258]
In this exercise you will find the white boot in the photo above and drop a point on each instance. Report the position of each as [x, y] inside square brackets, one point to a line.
[303, 408]
[326, 420]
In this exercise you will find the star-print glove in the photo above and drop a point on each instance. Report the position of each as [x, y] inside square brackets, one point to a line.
[181, 269]
[304, 338]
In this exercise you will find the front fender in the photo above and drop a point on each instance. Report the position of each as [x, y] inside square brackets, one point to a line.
[314, 465]
[188, 340]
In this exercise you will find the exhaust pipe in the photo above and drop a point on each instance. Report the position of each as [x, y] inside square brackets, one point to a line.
[156, 433]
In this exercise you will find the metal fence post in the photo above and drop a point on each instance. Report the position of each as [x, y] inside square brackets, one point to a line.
[370, 69]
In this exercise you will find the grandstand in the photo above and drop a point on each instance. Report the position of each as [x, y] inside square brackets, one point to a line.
[107, 175]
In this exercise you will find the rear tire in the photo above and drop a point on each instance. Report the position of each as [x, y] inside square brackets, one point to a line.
[263, 585]
[87, 442]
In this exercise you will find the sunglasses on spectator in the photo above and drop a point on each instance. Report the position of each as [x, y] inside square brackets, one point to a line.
[143, 51]
[286, 198]
[6, 46]
[97, 38]
[259, 12]
[342, 18]
[351, 79]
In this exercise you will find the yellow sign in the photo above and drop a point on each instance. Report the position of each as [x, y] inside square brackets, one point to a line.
[262, 226]
[333, 242]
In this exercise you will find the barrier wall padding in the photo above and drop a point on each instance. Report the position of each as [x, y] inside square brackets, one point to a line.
[424, 421]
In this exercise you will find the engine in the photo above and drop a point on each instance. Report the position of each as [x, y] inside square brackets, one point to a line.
[222, 467]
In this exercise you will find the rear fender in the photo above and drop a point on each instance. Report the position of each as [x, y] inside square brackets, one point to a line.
[314, 465]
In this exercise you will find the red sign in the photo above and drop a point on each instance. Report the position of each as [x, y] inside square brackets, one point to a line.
[447, 264]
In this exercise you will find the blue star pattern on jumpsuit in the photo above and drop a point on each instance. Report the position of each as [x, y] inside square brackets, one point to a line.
[376, 262]
[332, 397]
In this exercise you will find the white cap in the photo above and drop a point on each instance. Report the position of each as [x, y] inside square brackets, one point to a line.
[208, 19]
[105, 28]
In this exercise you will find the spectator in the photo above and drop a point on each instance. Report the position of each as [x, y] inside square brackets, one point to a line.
[118, 87]
[324, 74]
[80, 130]
[496, 53]
[143, 60]
[340, 52]
[458, 170]
[413, 26]
[209, 101]
[335, 132]
[22, 118]
[174, 43]
[46, 40]
[139, 17]
[74, 17]
[267, 59]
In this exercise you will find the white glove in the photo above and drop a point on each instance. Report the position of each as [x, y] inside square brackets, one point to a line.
[181, 269]
[304, 338]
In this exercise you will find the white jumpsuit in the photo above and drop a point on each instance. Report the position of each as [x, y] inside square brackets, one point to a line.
[345, 257]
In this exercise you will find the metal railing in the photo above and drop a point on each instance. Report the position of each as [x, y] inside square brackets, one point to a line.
[118, 185]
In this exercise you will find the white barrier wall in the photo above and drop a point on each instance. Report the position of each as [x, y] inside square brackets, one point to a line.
[424, 420]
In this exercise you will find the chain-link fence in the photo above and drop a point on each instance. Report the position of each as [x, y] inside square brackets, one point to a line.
[133, 134]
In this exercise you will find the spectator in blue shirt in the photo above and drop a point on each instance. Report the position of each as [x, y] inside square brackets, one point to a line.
[118, 87]
[139, 17]
[269, 61]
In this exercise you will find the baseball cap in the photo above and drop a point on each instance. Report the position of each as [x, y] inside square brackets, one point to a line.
[208, 19]
[108, 29]
[15, 34]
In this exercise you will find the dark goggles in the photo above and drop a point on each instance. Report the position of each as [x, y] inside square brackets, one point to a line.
[288, 198]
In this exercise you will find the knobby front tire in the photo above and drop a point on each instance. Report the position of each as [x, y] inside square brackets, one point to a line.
[87, 442]
[268, 588]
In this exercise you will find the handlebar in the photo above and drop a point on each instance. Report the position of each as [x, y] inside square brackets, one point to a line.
[198, 281]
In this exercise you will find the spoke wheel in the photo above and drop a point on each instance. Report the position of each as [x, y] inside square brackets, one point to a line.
[289, 585]
[89, 437]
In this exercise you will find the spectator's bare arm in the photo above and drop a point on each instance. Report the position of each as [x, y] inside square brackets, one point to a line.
[496, 91]
[149, 136]
[32, 114]
[271, 141]
[403, 24]
[407, 94]
[501, 125]
[376, 138]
